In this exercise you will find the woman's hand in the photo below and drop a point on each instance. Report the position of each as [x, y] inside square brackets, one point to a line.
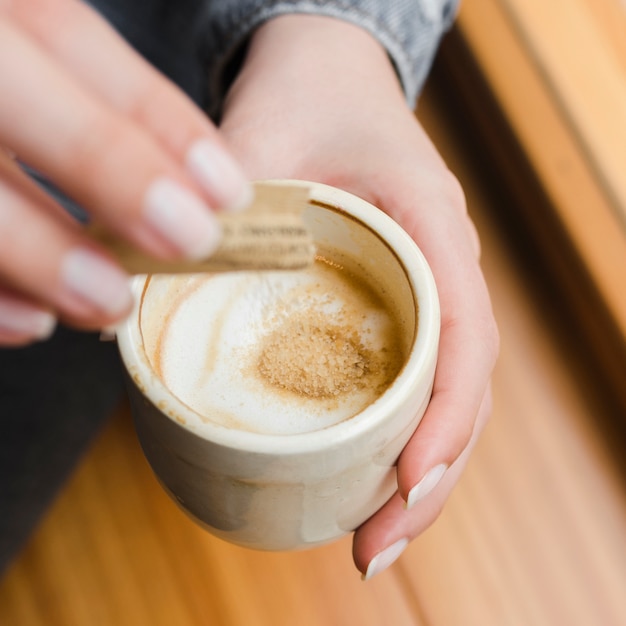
[318, 99]
[81, 107]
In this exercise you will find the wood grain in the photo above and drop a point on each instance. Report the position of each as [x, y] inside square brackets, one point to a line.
[533, 534]
[546, 85]
[578, 48]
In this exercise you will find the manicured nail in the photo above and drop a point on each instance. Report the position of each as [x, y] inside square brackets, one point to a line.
[429, 481]
[96, 281]
[182, 218]
[25, 320]
[220, 175]
[385, 558]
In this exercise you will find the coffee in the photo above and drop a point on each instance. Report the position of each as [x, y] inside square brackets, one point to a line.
[304, 386]
[275, 352]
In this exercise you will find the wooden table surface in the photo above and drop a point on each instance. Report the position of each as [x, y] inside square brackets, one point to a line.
[533, 535]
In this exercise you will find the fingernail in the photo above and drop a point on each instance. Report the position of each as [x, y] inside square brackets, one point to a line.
[182, 218]
[96, 281]
[385, 558]
[429, 481]
[22, 319]
[220, 175]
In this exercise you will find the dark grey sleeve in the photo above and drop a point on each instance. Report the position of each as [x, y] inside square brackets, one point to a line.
[410, 31]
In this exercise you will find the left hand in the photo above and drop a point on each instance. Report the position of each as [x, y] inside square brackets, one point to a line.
[79, 105]
[318, 99]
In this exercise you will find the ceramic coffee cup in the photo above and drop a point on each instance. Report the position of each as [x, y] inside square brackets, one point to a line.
[281, 490]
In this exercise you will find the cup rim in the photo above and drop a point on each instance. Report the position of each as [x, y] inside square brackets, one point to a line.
[420, 364]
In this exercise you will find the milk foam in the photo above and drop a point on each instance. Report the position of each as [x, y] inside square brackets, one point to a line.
[211, 341]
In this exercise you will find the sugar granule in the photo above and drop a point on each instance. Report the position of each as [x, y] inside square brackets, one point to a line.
[312, 357]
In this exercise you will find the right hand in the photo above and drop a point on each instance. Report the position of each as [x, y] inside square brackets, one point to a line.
[344, 122]
[80, 106]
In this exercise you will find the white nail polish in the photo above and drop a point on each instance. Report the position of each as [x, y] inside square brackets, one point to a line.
[96, 281]
[219, 175]
[385, 558]
[22, 319]
[180, 217]
[429, 481]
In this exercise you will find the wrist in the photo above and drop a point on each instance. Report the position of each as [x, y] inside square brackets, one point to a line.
[312, 54]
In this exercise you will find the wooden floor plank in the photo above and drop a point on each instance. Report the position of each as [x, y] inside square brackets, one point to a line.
[557, 140]
[572, 44]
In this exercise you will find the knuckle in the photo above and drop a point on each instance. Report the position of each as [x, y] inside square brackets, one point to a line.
[453, 190]
[492, 340]
[444, 190]
[447, 189]
[93, 151]
[464, 434]
[144, 102]
[146, 105]
[474, 237]
[485, 324]
[489, 340]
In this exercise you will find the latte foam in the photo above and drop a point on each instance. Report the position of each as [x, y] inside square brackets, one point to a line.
[273, 352]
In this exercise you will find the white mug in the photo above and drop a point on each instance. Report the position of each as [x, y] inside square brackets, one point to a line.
[279, 492]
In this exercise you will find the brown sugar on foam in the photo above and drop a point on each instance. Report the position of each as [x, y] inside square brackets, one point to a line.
[312, 357]
[320, 357]
[330, 339]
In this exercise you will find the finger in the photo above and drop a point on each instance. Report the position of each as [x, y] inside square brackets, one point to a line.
[467, 353]
[23, 321]
[100, 60]
[45, 257]
[382, 539]
[433, 460]
[469, 340]
[101, 159]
